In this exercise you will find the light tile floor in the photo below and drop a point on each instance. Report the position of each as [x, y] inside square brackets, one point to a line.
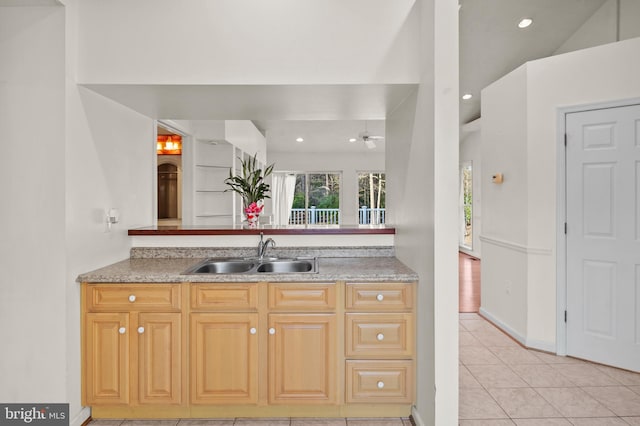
[501, 383]
[258, 422]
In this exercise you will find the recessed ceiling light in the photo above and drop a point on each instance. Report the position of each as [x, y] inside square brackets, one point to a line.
[525, 22]
[299, 140]
[352, 140]
[467, 96]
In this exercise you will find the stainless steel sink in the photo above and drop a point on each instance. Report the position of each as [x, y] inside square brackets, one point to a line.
[222, 266]
[254, 266]
[287, 266]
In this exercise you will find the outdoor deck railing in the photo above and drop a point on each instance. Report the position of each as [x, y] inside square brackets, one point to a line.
[367, 216]
[315, 216]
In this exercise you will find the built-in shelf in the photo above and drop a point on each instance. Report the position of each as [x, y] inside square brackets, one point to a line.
[213, 166]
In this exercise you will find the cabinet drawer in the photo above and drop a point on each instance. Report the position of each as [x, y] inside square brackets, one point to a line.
[379, 296]
[229, 297]
[379, 382]
[374, 335]
[308, 296]
[133, 297]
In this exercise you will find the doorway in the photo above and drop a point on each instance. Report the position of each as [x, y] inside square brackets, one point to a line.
[167, 191]
[602, 189]
[169, 177]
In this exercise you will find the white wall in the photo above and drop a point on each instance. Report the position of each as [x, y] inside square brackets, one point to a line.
[32, 217]
[248, 41]
[347, 163]
[422, 195]
[606, 25]
[103, 160]
[109, 154]
[504, 207]
[471, 151]
[600, 74]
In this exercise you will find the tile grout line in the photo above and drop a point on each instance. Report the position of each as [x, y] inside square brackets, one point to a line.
[553, 366]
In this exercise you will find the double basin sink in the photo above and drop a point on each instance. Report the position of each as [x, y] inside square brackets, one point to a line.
[254, 266]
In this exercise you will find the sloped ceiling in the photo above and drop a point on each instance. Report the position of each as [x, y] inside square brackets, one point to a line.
[492, 45]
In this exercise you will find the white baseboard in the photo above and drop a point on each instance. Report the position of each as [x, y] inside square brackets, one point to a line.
[541, 346]
[504, 327]
[416, 417]
[529, 343]
[81, 417]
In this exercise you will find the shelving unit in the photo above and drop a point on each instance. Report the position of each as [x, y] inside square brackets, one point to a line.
[213, 205]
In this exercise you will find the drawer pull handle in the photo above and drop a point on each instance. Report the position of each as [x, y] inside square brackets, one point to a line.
[272, 331]
[380, 384]
[253, 330]
[132, 298]
[380, 297]
[380, 337]
[140, 330]
[122, 330]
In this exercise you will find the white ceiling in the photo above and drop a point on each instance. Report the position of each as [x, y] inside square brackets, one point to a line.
[492, 45]
[326, 116]
[321, 135]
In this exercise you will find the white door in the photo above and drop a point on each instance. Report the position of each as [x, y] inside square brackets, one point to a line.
[603, 236]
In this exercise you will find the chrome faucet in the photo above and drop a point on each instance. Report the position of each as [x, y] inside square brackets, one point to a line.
[264, 245]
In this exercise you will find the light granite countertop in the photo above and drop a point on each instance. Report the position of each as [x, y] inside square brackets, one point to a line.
[169, 270]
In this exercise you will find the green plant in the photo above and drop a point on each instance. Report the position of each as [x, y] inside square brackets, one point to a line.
[250, 184]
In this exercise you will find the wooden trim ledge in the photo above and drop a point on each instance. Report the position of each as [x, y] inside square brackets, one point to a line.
[266, 230]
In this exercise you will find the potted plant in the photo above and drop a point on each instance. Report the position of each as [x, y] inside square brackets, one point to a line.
[252, 188]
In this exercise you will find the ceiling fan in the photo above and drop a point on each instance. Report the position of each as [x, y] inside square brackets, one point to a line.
[367, 138]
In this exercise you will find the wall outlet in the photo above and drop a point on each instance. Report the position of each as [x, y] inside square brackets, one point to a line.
[507, 287]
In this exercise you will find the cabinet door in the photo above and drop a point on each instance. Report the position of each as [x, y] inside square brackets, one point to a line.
[107, 358]
[224, 358]
[302, 358]
[159, 358]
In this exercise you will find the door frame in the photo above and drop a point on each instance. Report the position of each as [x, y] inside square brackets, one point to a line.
[561, 210]
[187, 173]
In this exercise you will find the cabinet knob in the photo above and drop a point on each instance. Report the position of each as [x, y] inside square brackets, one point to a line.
[380, 297]
[253, 330]
[122, 330]
[140, 330]
[380, 337]
[380, 384]
[132, 298]
[272, 330]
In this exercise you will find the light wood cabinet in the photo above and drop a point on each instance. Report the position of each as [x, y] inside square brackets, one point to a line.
[224, 358]
[106, 346]
[224, 343]
[203, 350]
[379, 381]
[379, 342]
[132, 355]
[302, 343]
[302, 358]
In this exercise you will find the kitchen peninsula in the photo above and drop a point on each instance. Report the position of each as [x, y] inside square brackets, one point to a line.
[159, 343]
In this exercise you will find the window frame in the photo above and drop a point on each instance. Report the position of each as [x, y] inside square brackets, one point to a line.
[306, 174]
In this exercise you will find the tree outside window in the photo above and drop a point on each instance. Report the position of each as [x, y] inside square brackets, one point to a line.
[316, 199]
[371, 198]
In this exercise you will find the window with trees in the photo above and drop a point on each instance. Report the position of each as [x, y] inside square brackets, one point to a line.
[466, 205]
[316, 199]
[371, 198]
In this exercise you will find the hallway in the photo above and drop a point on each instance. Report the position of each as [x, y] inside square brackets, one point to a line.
[469, 279]
[502, 383]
